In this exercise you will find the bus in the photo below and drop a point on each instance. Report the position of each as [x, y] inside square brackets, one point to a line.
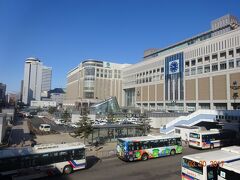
[229, 171]
[211, 138]
[147, 147]
[64, 158]
[204, 166]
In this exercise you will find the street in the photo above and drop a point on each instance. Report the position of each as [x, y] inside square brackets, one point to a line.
[166, 168]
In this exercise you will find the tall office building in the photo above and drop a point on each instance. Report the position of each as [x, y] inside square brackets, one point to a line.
[46, 78]
[94, 80]
[2, 93]
[37, 79]
[196, 73]
[32, 80]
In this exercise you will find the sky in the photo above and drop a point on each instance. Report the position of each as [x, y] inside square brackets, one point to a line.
[62, 33]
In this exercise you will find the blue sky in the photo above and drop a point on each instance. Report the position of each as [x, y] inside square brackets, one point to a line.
[62, 33]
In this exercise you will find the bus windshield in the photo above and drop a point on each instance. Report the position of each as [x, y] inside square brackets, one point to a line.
[192, 165]
[194, 135]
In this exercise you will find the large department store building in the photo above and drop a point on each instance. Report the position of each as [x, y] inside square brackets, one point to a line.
[196, 73]
[93, 81]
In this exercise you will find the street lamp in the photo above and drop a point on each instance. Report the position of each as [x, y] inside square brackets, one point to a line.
[235, 89]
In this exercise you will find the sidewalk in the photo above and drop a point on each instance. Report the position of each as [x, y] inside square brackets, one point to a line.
[104, 151]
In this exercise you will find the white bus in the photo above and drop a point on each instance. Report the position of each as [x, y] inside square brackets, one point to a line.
[229, 171]
[64, 158]
[204, 166]
[211, 138]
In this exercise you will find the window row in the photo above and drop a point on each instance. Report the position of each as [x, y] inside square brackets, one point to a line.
[215, 67]
[214, 47]
[158, 70]
[214, 57]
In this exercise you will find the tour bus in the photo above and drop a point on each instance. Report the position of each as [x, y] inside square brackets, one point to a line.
[229, 171]
[63, 158]
[146, 147]
[211, 138]
[204, 166]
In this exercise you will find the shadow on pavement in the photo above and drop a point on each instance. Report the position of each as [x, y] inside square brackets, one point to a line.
[91, 161]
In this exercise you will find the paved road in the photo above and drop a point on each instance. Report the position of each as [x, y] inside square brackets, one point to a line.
[166, 168]
[20, 133]
[36, 121]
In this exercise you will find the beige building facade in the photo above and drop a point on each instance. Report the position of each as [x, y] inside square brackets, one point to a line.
[196, 73]
[92, 81]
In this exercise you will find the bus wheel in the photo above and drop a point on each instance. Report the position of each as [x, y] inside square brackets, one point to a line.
[211, 146]
[173, 152]
[67, 169]
[130, 158]
[144, 157]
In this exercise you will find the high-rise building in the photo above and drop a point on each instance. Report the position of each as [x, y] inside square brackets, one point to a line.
[2, 94]
[32, 84]
[92, 81]
[21, 91]
[46, 78]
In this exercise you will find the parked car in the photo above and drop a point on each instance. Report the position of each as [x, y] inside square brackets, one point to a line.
[59, 122]
[45, 127]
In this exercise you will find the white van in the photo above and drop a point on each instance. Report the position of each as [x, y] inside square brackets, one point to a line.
[45, 127]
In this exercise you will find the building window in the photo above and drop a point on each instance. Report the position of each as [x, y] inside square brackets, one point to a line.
[187, 64]
[193, 71]
[214, 67]
[207, 69]
[200, 70]
[207, 58]
[231, 64]
[186, 72]
[223, 55]
[158, 70]
[150, 72]
[215, 57]
[200, 60]
[193, 62]
[154, 71]
[230, 53]
[162, 69]
[238, 51]
[238, 62]
[223, 65]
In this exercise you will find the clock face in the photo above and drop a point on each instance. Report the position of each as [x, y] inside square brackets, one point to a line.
[174, 66]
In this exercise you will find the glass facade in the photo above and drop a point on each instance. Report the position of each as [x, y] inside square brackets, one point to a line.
[105, 107]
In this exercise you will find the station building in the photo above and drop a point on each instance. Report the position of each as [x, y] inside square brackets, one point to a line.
[196, 73]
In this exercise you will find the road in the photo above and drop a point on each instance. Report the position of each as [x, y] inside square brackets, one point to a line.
[166, 168]
[20, 133]
[36, 121]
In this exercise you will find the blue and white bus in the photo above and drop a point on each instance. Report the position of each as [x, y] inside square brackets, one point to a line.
[65, 158]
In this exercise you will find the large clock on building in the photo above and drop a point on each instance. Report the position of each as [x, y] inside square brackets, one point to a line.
[174, 67]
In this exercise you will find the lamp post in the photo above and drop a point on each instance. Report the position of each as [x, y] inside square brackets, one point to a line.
[235, 89]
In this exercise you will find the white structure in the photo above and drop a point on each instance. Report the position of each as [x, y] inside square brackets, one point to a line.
[3, 126]
[184, 131]
[37, 78]
[43, 104]
[46, 78]
[32, 80]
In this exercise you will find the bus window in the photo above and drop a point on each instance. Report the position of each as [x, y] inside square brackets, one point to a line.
[212, 173]
[130, 146]
[145, 145]
[172, 142]
[137, 146]
[194, 135]
[192, 165]
[161, 143]
[179, 142]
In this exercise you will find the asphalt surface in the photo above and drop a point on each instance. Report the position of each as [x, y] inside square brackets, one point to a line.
[36, 121]
[165, 168]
